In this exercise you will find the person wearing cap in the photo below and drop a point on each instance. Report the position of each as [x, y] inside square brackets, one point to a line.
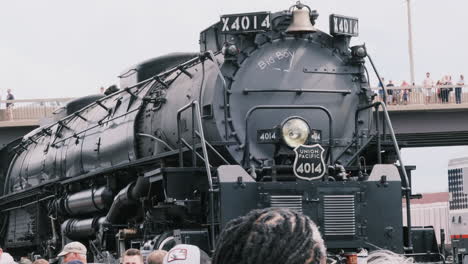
[273, 236]
[73, 253]
[156, 257]
[132, 256]
[186, 254]
[6, 258]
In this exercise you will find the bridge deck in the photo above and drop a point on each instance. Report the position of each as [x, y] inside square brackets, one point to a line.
[419, 121]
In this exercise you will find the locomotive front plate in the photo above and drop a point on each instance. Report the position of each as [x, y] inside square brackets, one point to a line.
[309, 163]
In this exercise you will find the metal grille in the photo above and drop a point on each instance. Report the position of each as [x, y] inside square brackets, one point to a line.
[339, 215]
[293, 202]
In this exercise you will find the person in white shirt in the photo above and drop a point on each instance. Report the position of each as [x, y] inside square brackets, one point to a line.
[6, 258]
[428, 83]
[458, 90]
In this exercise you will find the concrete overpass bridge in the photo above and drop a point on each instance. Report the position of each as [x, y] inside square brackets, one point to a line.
[418, 122]
[25, 115]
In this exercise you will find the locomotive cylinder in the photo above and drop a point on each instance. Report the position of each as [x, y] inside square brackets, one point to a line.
[86, 202]
[77, 228]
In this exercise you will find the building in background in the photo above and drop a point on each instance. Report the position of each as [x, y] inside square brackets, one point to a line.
[431, 210]
[458, 216]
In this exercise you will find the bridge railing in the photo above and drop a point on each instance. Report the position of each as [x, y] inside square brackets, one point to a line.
[29, 109]
[414, 95]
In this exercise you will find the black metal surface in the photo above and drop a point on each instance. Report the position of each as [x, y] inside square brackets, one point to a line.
[77, 229]
[167, 164]
[88, 201]
[378, 216]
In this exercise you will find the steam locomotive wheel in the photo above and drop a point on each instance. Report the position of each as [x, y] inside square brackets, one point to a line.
[165, 241]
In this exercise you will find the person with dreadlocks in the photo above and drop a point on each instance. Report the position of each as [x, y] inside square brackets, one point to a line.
[273, 236]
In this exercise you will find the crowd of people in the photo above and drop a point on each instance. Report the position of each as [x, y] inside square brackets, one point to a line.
[429, 90]
[272, 235]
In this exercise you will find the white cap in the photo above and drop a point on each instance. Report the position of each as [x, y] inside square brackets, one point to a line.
[73, 247]
[186, 254]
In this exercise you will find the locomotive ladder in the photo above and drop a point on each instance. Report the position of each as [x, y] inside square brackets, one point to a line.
[196, 116]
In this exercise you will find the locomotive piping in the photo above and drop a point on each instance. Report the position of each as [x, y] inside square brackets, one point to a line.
[127, 196]
[157, 139]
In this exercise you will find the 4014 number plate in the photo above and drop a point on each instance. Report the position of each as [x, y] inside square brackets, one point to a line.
[268, 136]
[343, 25]
[249, 22]
[309, 163]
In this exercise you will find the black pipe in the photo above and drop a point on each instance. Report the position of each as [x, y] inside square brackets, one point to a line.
[121, 200]
[126, 197]
[81, 228]
[140, 188]
[87, 201]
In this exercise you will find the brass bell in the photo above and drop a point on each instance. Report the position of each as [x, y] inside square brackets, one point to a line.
[300, 20]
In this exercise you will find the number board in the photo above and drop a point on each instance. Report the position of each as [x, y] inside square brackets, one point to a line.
[342, 25]
[309, 163]
[249, 22]
[268, 136]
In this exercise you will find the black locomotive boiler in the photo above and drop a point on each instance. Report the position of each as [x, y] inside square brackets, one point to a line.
[271, 112]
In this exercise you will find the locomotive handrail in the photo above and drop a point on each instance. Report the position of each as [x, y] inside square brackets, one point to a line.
[196, 114]
[223, 80]
[138, 85]
[246, 158]
[186, 144]
[355, 140]
[403, 170]
[155, 138]
[214, 150]
[343, 92]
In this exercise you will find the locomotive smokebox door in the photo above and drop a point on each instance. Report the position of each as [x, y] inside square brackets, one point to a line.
[309, 163]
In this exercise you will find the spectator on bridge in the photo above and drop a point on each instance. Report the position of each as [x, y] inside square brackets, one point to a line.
[445, 91]
[73, 253]
[390, 92]
[458, 90]
[132, 256]
[397, 96]
[381, 93]
[9, 106]
[439, 94]
[6, 258]
[450, 89]
[406, 92]
[102, 90]
[273, 236]
[428, 83]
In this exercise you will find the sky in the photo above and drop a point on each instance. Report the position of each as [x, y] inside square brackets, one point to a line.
[57, 48]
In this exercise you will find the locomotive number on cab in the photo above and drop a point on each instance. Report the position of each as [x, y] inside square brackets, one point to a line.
[342, 25]
[250, 22]
[268, 136]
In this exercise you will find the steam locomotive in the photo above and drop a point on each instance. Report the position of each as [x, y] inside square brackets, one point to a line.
[271, 112]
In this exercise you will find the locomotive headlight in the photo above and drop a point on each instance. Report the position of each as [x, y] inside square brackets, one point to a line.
[295, 131]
